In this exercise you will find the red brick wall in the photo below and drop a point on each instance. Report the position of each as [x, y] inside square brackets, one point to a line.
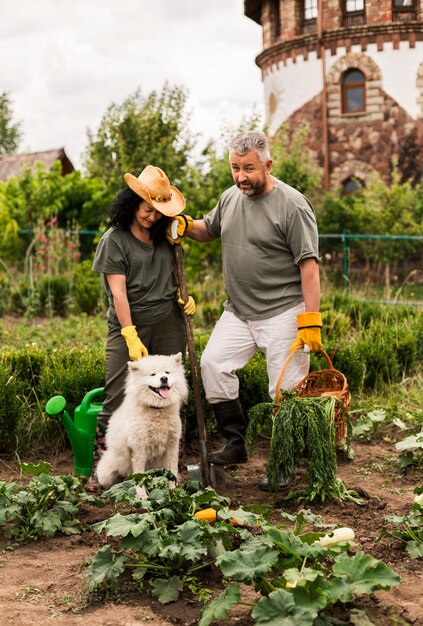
[372, 143]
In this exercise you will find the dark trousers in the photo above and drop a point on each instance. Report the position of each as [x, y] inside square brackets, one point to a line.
[164, 337]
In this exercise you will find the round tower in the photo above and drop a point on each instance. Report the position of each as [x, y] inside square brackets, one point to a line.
[353, 69]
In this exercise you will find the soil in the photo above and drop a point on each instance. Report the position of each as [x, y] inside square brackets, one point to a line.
[43, 582]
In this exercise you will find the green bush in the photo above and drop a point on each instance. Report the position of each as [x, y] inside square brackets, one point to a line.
[69, 360]
[12, 411]
[347, 359]
[88, 289]
[5, 290]
[71, 373]
[253, 383]
[26, 364]
[55, 295]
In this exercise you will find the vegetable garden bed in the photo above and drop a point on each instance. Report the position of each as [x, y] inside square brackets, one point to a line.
[44, 581]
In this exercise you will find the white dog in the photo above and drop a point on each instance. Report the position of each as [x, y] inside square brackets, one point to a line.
[144, 432]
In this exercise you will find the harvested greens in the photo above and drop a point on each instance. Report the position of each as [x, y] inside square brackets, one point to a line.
[301, 427]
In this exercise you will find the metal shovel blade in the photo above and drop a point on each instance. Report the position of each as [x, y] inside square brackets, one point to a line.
[217, 475]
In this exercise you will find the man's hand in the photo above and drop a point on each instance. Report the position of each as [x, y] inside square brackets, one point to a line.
[309, 332]
[188, 306]
[180, 226]
[136, 348]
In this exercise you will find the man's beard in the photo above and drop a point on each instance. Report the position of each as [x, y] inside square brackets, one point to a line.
[255, 189]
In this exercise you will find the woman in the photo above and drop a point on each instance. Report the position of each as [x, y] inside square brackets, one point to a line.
[138, 267]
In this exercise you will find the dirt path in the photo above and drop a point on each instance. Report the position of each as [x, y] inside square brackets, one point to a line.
[44, 582]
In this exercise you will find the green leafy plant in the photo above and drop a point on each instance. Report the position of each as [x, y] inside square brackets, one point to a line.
[46, 506]
[407, 528]
[164, 545]
[298, 573]
[411, 451]
[297, 425]
[367, 425]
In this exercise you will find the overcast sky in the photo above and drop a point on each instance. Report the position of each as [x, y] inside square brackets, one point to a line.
[65, 61]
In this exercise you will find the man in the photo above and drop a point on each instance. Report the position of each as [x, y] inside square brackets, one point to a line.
[271, 275]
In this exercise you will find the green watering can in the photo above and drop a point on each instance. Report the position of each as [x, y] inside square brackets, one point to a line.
[81, 429]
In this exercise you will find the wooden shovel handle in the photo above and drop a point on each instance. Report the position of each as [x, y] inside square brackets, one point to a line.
[179, 256]
[285, 365]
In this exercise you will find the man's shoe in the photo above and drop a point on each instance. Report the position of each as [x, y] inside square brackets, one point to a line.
[232, 453]
[283, 484]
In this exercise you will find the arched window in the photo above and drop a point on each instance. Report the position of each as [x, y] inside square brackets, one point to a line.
[353, 92]
[350, 185]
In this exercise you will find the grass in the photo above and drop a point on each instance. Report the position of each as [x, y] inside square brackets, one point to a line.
[400, 400]
[75, 331]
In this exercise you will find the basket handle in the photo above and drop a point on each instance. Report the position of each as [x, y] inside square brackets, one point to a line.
[285, 365]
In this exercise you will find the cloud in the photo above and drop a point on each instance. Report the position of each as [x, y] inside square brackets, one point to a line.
[64, 63]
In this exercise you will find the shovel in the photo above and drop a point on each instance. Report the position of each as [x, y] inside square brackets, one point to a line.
[208, 473]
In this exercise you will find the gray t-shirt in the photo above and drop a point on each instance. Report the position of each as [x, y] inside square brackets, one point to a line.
[150, 283]
[263, 239]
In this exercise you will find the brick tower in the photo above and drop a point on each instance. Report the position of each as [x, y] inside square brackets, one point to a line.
[354, 70]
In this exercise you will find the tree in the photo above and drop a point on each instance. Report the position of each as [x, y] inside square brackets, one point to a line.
[394, 209]
[206, 180]
[39, 195]
[10, 134]
[293, 162]
[143, 130]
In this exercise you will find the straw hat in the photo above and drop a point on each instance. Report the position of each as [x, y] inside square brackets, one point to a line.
[153, 186]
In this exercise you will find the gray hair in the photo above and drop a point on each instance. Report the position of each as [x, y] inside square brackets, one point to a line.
[251, 140]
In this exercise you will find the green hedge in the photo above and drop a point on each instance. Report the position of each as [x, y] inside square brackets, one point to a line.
[372, 345]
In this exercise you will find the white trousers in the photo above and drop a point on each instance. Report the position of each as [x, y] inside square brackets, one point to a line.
[234, 342]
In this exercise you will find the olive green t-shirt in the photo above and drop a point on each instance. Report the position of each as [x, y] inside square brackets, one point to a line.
[263, 239]
[150, 283]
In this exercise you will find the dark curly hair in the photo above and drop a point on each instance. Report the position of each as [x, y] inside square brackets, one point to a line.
[123, 211]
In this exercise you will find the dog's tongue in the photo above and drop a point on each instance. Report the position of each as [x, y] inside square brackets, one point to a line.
[164, 392]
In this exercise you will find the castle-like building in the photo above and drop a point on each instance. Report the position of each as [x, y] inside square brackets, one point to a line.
[353, 69]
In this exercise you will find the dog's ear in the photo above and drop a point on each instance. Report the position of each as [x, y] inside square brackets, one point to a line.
[178, 358]
[133, 365]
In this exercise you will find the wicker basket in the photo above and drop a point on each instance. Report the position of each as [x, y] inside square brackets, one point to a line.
[327, 382]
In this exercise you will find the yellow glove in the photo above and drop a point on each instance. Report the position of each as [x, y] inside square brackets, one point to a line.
[180, 226]
[136, 348]
[309, 326]
[188, 306]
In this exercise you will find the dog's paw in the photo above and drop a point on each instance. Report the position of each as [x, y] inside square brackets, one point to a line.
[141, 493]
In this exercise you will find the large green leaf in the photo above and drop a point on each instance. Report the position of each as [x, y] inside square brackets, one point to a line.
[280, 609]
[415, 549]
[248, 565]
[8, 511]
[292, 545]
[166, 589]
[123, 525]
[220, 606]
[42, 467]
[300, 578]
[359, 574]
[104, 565]
[412, 442]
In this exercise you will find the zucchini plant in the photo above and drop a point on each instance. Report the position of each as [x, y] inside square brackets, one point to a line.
[411, 451]
[297, 574]
[46, 506]
[407, 528]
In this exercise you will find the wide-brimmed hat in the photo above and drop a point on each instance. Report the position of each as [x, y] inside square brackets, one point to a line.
[153, 186]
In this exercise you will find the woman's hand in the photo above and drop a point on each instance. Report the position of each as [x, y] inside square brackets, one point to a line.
[136, 348]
